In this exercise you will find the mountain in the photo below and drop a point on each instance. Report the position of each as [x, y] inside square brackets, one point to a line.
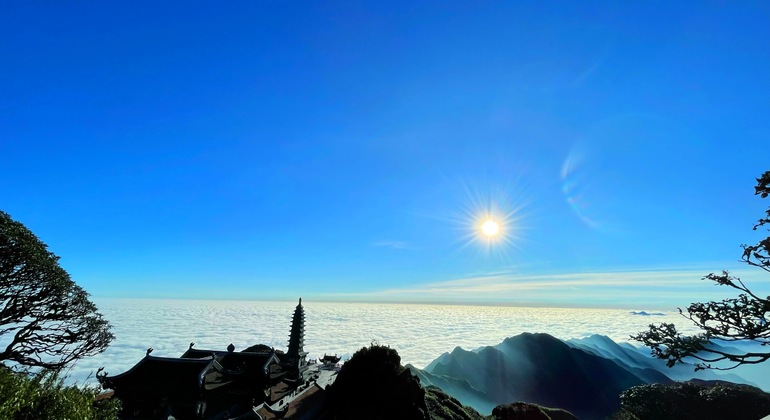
[460, 389]
[630, 359]
[535, 368]
[639, 359]
[758, 374]
[585, 376]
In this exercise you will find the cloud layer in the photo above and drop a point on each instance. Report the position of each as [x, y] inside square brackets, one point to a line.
[420, 333]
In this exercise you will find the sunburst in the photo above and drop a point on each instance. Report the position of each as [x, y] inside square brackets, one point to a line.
[491, 221]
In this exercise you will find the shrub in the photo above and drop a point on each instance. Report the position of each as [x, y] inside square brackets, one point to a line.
[43, 395]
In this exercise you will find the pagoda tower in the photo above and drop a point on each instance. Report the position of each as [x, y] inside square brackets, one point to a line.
[296, 352]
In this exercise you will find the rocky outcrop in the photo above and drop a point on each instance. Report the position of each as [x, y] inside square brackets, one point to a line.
[694, 400]
[444, 407]
[526, 411]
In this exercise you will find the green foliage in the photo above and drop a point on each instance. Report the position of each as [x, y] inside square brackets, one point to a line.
[25, 396]
[375, 359]
[689, 400]
[746, 317]
[45, 317]
[374, 385]
[443, 407]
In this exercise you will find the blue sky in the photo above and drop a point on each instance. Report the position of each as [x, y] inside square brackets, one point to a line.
[346, 150]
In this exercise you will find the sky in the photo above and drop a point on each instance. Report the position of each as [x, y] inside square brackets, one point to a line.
[351, 150]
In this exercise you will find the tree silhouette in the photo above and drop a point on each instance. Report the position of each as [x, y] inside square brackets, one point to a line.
[46, 319]
[374, 385]
[746, 317]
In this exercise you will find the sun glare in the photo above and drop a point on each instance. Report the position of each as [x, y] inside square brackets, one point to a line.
[490, 220]
[490, 228]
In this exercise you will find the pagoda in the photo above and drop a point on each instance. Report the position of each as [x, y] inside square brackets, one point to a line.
[296, 356]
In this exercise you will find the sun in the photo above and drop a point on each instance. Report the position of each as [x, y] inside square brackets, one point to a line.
[490, 228]
[491, 219]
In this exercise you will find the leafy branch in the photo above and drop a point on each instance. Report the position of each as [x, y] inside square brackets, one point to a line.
[746, 317]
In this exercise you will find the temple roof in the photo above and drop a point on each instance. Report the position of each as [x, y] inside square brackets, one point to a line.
[329, 358]
[192, 353]
[236, 361]
[161, 376]
[198, 371]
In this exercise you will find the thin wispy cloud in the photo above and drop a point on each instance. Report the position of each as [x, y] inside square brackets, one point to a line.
[663, 287]
[395, 245]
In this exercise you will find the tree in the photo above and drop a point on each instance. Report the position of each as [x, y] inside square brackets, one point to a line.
[46, 319]
[746, 317]
[374, 385]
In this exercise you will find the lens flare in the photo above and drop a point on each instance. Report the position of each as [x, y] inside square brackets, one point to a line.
[491, 221]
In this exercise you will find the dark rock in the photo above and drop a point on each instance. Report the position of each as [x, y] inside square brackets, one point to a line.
[701, 400]
[527, 411]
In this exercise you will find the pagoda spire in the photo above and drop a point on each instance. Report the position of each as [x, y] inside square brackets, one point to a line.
[297, 335]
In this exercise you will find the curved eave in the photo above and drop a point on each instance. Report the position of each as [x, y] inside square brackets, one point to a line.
[115, 380]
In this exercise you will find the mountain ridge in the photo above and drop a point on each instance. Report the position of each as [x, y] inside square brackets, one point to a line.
[585, 376]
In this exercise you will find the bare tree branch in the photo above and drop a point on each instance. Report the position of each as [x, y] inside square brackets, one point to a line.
[746, 317]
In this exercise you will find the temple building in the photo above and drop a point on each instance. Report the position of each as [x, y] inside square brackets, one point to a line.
[296, 357]
[329, 361]
[205, 383]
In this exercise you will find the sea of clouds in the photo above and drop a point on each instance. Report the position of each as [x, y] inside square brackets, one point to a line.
[420, 333]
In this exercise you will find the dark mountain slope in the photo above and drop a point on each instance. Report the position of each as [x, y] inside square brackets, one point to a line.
[639, 362]
[460, 389]
[541, 369]
[443, 407]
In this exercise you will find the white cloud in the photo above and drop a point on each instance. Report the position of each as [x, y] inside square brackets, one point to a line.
[420, 333]
[666, 287]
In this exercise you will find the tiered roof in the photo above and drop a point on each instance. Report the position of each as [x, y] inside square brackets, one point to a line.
[297, 334]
